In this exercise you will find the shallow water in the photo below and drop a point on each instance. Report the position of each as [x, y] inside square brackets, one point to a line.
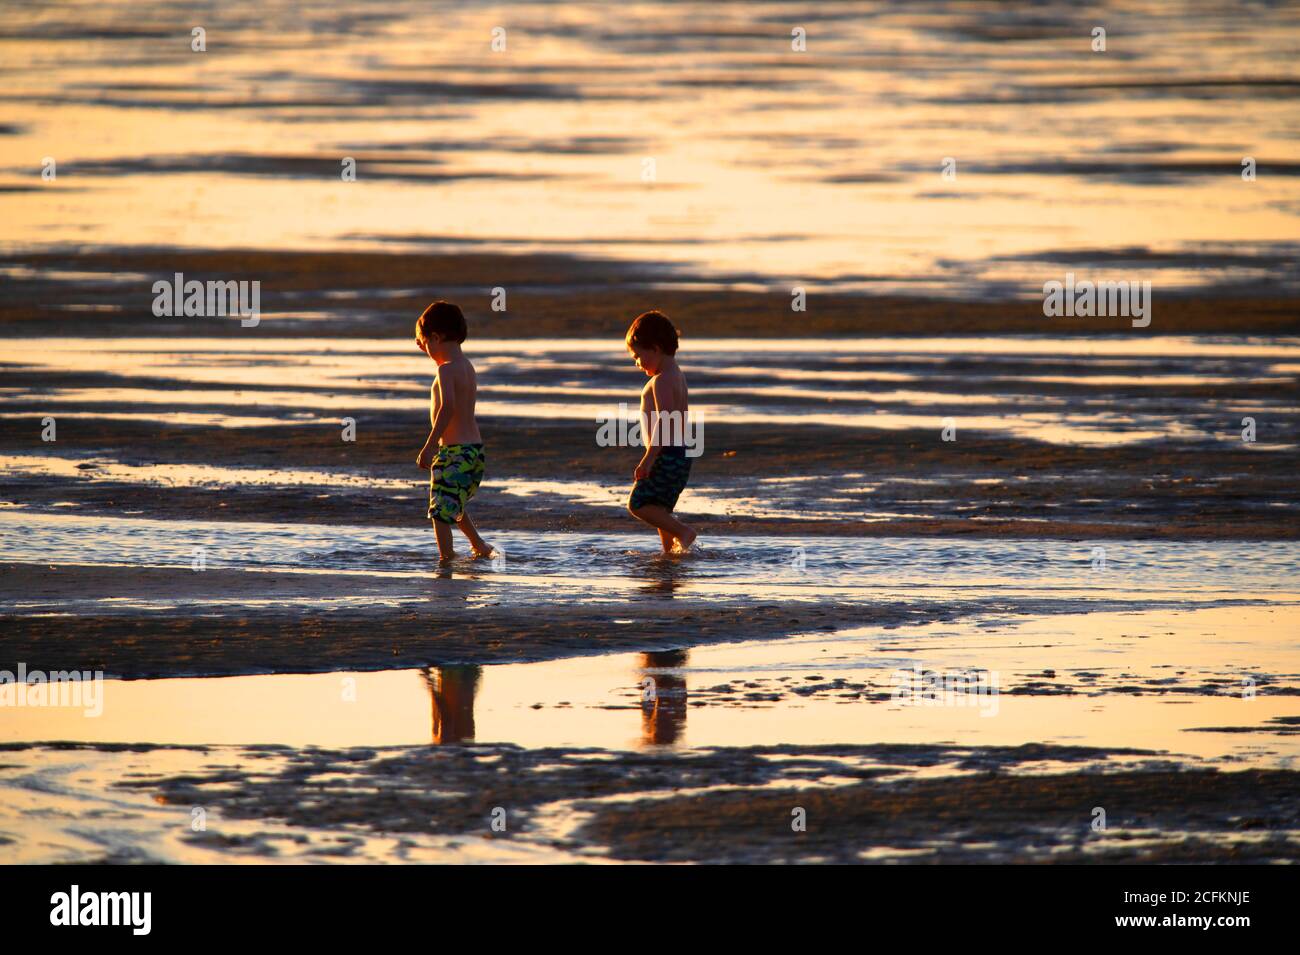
[556, 566]
[1122, 162]
[1143, 680]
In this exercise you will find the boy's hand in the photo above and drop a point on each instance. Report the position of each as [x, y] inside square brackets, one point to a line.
[642, 471]
[424, 459]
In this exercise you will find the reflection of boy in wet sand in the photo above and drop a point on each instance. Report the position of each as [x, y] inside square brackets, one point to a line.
[452, 690]
[664, 469]
[453, 454]
[663, 698]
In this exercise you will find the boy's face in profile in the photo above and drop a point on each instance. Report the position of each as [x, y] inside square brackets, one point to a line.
[429, 347]
[647, 359]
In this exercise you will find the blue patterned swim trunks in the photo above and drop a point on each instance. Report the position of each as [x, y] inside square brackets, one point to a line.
[665, 482]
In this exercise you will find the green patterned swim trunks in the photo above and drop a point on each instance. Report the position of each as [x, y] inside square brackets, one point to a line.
[665, 482]
[453, 480]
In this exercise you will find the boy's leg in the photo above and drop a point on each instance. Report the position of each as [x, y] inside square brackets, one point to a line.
[481, 547]
[438, 506]
[443, 531]
[665, 540]
[658, 516]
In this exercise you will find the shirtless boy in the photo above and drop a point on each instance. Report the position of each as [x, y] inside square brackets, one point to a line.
[664, 469]
[453, 455]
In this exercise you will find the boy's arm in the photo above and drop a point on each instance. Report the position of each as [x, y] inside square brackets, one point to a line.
[650, 430]
[447, 390]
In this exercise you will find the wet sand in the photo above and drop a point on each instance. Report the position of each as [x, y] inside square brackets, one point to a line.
[1154, 817]
[990, 486]
[230, 622]
[989, 482]
[1205, 792]
[376, 294]
[875, 804]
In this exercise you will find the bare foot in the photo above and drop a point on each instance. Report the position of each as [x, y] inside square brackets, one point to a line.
[483, 554]
[684, 543]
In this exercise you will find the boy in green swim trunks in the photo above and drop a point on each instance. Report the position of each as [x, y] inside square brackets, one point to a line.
[665, 467]
[453, 455]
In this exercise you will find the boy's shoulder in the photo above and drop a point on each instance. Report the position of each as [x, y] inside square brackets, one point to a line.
[673, 374]
[459, 366]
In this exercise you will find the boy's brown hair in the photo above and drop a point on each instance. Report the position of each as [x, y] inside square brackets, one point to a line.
[443, 319]
[653, 330]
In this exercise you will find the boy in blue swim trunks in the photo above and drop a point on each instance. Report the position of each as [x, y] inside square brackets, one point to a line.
[453, 455]
[664, 469]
